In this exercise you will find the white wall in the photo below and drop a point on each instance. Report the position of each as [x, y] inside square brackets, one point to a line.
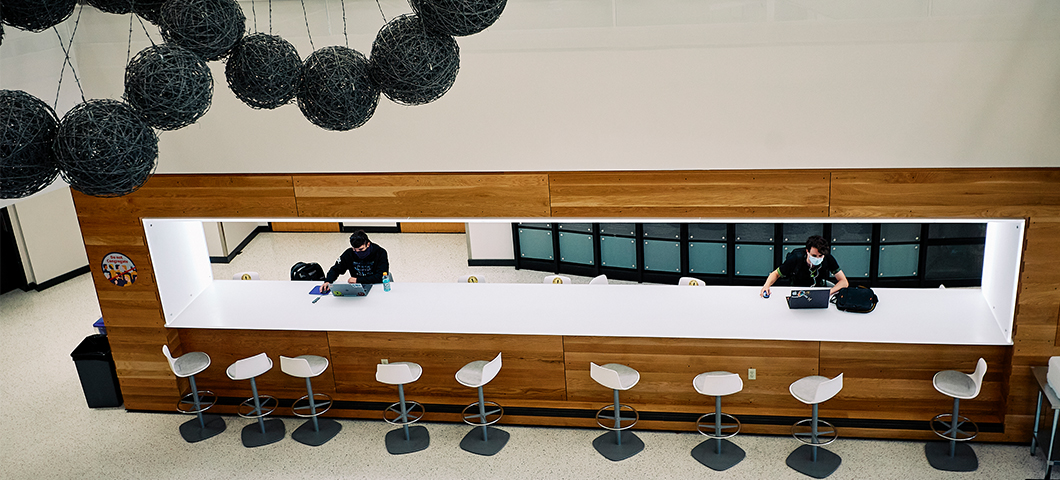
[180, 260]
[638, 84]
[489, 241]
[215, 244]
[51, 235]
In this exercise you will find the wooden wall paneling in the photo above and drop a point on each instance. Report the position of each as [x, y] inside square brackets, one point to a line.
[729, 193]
[305, 226]
[226, 346]
[532, 365]
[173, 196]
[964, 192]
[423, 195]
[428, 227]
[668, 365]
[894, 381]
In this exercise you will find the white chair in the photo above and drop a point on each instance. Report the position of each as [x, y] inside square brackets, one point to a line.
[314, 432]
[718, 452]
[959, 456]
[810, 459]
[558, 279]
[271, 431]
[598, 280]
[246, 276]
[472, 279]
[475, 375]
[405, 439]
[690, 282]
[203, 426]
[618, 443]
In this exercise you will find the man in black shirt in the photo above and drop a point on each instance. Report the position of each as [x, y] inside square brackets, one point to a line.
[810, 268]
[365, 261]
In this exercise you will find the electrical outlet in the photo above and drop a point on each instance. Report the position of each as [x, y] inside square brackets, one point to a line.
[384, 361]
[751, 373]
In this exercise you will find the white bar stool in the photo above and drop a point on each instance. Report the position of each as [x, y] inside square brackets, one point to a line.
[491, 440]
[405, 439]
[471, 279]
[810, 459]
[314, 432]
[598, 280]
[718, 453]
[618, 443]
[557, 279]
[204, 426]
[690, 282]
[246, 276]
[266, 432]
[958, 456]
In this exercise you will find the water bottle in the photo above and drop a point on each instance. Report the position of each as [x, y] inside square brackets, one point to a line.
[386, 281]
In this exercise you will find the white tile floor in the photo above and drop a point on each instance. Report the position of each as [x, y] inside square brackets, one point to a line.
[46, 430]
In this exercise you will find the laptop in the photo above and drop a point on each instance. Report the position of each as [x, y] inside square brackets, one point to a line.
[351, 289]
[809, 298]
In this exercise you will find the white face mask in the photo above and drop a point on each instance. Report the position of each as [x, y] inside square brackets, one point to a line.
[815, 261]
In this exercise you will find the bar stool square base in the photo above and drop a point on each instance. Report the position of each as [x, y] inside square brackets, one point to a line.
[707, 454]
[801, 460]
[418, 440]
[607, 445]
[307, 435]
[963, 459]
[193, 432]
[473, 443]
[274, 432]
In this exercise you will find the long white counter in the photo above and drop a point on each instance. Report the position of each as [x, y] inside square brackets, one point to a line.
[910, 316]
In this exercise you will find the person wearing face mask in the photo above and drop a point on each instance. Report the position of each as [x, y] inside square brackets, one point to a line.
[809, 269]
[365, 261]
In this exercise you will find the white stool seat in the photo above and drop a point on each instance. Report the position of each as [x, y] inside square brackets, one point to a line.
[186, 365]
[599, 280]
[249, 367]
[479, 372]
[816, 389]
[472, 279]
[303, 366]
[398, 373]
[691, 282]
[960, 385]
[717, 383]
[614, 376]
[557, 279]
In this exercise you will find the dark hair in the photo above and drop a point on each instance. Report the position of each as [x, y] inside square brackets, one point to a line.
[818, 242]
[359, 239]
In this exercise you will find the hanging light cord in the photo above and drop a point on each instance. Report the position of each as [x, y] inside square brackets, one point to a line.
[380, 10]
[306, 17]
[67, 61]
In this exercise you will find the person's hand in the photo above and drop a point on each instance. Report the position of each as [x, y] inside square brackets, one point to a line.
[325, 288]
[764, 293]
[352, 280]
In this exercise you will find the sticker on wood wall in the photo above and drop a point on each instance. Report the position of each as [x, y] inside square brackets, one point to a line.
[119, 269]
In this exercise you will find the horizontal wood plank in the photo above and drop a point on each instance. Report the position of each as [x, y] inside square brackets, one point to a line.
[776, 193]
[422, 195]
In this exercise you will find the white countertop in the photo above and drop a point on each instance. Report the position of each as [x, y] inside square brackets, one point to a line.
[912, 316]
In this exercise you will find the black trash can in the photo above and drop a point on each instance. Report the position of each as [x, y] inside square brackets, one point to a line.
[95, 367]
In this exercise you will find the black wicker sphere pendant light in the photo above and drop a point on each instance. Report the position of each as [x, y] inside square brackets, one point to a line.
[336, 93]
[27, 131]
[264, 71]
[458, 17]
[169, 86]
[210, 28]
[412, 64]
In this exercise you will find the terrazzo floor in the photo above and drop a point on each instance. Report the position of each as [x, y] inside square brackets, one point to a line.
[47, 431]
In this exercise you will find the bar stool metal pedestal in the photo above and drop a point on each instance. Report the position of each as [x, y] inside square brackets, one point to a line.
[955, 455]
[619, 443]
[266, 431]
[810, 459]
[718, 452]
[487, 440]
[405, 439]
[316, 431]
[203, 426]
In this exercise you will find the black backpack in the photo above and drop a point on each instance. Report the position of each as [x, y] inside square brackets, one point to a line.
[307, 271]
[855, 299]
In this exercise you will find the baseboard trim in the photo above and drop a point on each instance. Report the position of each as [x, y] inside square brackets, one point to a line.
[239, 248]
[57, 280]
[491, 263]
